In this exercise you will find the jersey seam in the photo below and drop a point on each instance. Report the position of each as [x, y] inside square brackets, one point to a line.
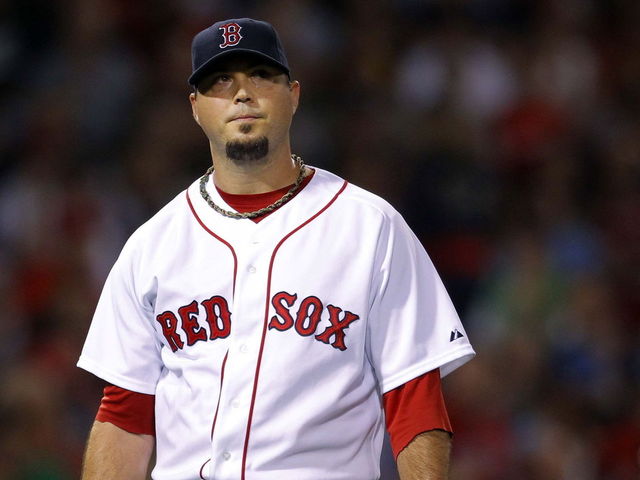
[384, 212]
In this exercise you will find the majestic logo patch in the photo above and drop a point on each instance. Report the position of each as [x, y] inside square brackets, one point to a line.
[455, 334]
[230, 34]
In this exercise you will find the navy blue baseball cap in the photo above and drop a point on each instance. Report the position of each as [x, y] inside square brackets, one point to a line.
[229, 37]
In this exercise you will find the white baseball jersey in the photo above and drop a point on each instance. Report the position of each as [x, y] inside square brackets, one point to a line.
[268, 345]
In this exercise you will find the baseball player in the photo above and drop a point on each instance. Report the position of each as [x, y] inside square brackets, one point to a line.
[270, 320]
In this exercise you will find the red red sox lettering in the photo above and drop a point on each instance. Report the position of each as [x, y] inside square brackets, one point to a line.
[191, 322]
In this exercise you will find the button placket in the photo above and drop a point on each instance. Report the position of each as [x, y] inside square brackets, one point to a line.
[246, 331]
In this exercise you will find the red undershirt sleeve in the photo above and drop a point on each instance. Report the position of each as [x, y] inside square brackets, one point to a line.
[131, 411]
[413, 408]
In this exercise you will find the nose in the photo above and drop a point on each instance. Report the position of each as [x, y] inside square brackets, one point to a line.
[244, 93]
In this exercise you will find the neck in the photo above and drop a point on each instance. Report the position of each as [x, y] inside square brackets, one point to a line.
[273, 172]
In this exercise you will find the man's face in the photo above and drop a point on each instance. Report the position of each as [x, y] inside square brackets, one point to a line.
[245, 103]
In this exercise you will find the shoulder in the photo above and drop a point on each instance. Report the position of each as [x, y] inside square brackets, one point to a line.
[372, 218]
[358, 200]
[159, 227]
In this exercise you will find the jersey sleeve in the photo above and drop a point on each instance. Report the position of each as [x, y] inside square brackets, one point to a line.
[121, 346]
[413, 327]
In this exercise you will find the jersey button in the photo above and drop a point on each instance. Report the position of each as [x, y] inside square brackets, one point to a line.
[226, 455]
[252, 269]
[244, 348]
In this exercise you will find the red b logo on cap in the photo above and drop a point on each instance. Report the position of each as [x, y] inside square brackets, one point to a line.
[230, 34]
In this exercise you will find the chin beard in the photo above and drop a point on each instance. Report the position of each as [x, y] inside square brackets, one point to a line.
[243, 152]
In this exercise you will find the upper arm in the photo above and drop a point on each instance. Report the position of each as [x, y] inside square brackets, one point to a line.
[415, 407]
[131, 411]
[122, 346]
[411, 317]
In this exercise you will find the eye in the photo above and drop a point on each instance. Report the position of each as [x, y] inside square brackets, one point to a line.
[262, 73]
[216, 83]
[221, 78]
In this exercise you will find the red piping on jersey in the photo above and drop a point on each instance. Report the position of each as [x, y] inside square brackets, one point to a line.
[235, 273]
[266, 320]
[215, 416]
[202, 468]
[220, 239]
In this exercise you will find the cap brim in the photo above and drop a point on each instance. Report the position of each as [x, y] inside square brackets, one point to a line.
[209, 66]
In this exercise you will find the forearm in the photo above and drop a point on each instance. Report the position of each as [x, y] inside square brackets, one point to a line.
[113, 453]
[426, 457]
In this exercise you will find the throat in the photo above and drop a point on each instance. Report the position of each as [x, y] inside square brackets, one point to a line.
[282, 195]
[248, 203]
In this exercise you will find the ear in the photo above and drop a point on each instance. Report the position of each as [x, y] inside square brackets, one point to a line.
[294, 88]
[194, 106]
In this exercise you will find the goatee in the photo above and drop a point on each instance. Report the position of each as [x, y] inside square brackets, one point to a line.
[243, 152]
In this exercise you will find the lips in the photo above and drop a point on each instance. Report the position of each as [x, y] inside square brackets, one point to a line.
[245, 117]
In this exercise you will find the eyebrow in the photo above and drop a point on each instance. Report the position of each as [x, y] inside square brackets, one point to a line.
[235, 66]
[240, 66]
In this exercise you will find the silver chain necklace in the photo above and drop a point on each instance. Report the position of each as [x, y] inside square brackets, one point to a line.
[269, 208]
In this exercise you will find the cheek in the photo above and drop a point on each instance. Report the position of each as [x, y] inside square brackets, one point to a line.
[209, 107]
[206, 111]
[283, 112]
[209, 118]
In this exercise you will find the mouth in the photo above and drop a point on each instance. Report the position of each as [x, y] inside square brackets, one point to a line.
[245, 118]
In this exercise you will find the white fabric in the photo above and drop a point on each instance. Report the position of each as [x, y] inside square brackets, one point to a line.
[289, 406]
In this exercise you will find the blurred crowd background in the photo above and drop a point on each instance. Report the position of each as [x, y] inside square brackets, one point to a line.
[506, 131]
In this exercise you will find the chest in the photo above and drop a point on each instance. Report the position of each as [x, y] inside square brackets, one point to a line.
[308, 288]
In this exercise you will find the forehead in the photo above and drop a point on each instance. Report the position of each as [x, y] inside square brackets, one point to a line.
[239, 61]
